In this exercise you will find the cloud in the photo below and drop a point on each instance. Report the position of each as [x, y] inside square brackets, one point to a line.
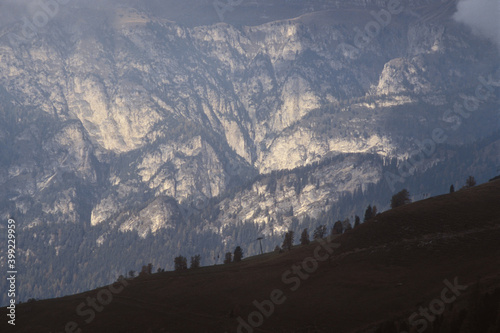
[12, 11]
[483, 16]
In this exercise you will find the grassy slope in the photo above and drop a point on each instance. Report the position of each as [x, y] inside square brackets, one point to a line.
[385, 268]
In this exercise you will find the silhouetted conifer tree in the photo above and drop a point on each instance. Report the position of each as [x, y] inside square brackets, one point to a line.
[304, 237]
[368, 213]
[337, 228]
[195, 261]
[401, 198]
[180, 263]
[238, 254]
[357, 221]
[288, 241]
[228, 258]
[470, 182]
[319, 232]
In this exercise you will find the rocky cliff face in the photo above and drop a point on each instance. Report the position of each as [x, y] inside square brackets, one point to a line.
[125, 120]
[177, 111]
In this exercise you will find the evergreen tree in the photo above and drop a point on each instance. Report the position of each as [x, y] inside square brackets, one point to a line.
[401, 198]
[337, 228]
[288, 241]
[304, 237]
[319, 232]
[195, 261]
[238, 254]
[452, 189]
[368, 213]
[470, 182]
[228, 258]
[180, 263]
[357, 221]
[346, 224]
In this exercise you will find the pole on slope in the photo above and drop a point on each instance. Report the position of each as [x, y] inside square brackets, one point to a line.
[260, 242]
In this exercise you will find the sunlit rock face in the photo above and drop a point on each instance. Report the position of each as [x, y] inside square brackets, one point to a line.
[114, 106]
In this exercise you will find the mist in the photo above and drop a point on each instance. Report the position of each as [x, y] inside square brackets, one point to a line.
[482, 16]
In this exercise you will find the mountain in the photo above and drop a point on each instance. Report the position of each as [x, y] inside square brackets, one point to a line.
[377, 277]
[132, 133]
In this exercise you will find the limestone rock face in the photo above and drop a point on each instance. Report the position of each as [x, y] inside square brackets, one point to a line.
[107, 109]
[403, 76]
[158, 214]
[262, 203]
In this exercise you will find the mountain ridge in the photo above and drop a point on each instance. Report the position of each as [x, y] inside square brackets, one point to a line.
[422, 245]
[100, 119]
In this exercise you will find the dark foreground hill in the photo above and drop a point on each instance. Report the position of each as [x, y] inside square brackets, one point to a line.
[122, 120]
[440, 252]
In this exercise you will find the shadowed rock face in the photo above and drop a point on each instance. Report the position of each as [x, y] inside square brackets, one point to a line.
[114, 104]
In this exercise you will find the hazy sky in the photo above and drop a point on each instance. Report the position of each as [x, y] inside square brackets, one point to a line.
[13, 11]
[483, 16]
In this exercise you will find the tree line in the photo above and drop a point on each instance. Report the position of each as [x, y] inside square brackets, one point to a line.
[339, 227]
